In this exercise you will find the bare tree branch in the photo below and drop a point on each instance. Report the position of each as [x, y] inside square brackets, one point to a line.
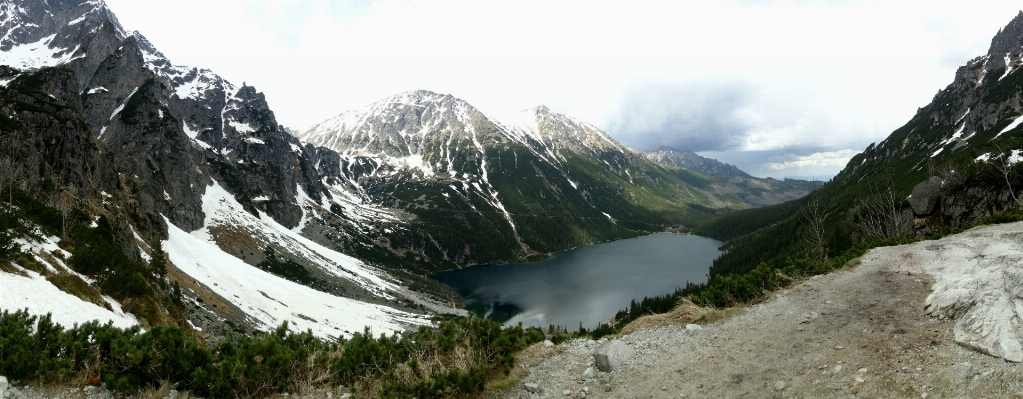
[1003, 164]
[814, 216]
[878, 217]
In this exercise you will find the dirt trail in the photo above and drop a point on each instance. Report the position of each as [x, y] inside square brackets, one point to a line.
[858, 332]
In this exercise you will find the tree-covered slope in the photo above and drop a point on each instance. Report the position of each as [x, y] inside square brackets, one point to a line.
[964, 140]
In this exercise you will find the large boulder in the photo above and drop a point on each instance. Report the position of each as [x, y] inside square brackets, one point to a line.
[925, 196]
[612, 355]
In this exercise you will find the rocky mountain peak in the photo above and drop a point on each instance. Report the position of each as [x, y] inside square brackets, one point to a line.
[541, 110]
[146, 46]
[688, 159]
[29, 21]
[1007, 44]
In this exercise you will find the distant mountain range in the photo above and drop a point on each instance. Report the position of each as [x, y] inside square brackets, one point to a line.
[121, 152]
[690, 160]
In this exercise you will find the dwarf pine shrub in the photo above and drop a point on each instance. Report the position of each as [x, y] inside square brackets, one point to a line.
[454, 359]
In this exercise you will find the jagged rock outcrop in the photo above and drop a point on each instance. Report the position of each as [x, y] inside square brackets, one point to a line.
[690, 160]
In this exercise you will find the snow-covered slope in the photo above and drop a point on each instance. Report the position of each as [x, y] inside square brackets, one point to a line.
[268, 300]
[30, 290]
[425, 131]
[202, 164]
[465, 182]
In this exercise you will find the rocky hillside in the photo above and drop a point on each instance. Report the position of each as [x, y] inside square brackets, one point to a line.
[135, 152]
[964, 144]
[690, 160]
[731, 181]
[478, 189]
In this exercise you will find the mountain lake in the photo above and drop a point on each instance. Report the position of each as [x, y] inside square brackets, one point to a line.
[588, 284]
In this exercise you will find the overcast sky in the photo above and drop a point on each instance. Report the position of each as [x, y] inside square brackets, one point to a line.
[777, 88]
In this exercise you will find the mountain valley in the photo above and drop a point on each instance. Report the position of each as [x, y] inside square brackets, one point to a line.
[172, 203]
[157, 160]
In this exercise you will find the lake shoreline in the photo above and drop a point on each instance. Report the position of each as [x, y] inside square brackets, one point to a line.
[585, 285]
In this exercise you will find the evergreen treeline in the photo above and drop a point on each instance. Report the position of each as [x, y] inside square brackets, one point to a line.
[453, 360]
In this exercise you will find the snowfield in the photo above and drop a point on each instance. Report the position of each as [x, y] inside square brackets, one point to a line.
[34, 293]
[269, 300]
[40, 297]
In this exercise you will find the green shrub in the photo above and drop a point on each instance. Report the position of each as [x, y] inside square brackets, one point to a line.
[462, 353]
[18, 358]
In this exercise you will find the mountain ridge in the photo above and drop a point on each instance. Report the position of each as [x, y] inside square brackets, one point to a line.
[170, 154]
[692, 161]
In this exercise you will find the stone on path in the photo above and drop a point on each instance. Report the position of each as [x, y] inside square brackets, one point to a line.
[693, 327]
[612, 355]
[588, 373]
[3, 386]
[531, 387]
[963, 367]
[779, 385]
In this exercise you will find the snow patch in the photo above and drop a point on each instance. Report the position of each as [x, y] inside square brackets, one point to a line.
[37, 55]
[40, 297]
[269, 300]
[241, 128]
[978, 282]
[121, 107]
[1008, 66]
[1011, 126]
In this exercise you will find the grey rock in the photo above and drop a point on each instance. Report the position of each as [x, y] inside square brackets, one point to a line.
[925, 196]
[3, 386]
[688, 159]
[589, 373]
[779, 385]
[91, 390]
[548, 343]
[532, 387]
[693, 327]
[566, 392]
[963, 367]
[612, 355]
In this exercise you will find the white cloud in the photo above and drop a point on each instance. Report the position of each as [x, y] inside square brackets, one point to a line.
[817, 160]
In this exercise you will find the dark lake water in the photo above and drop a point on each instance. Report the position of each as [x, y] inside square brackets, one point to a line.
[588, 284]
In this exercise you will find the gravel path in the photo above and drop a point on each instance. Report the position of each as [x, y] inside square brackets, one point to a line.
[858, 332]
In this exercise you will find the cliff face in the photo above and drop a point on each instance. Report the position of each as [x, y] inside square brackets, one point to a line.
[96, 118]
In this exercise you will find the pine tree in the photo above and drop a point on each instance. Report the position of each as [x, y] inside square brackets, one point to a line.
[159, 259]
